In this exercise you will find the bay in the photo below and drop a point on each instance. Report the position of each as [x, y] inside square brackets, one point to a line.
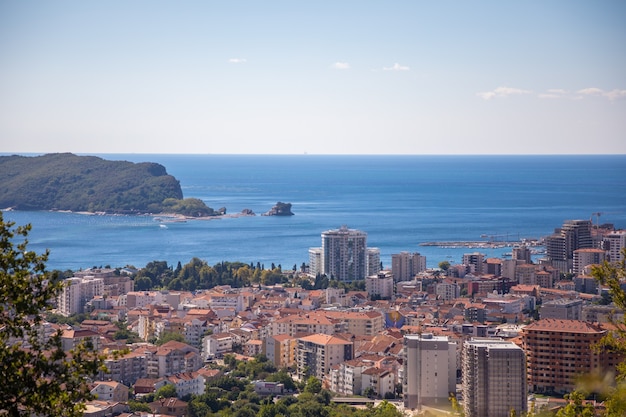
[400, 201]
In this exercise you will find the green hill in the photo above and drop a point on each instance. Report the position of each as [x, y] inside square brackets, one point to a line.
[65, 181]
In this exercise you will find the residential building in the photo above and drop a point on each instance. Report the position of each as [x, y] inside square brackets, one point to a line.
[586, 284]
[72, 338]
[525, 274]
[253, 347]
[380, 380]
[562, 309]
[169, 407]
[187, 383]
[447, 290]
[216, 345]
[587, 256]
[127, 368]
[172, 358]
[315, 262]
[405, 265]
[110, 391]
[614, 243]
[317, 353]
[429, 370]
[493, 378]
[474, 261]
[380, 285]
[373, 262]
[521, 253]
[560, 246]
[280, 349]
[559, 351]
[368, 323]
[77, 292]
[344, 254]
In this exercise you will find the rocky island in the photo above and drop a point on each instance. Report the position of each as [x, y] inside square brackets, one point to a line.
[64, 181]
[280, 209]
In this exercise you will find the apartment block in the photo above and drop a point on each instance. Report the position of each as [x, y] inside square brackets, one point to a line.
[559, 351]
[493, 378]
[380, 285]
[317, 353]
[405, 265]
[562, 309]
[586, 257]
[77, 292]
[344, 254]
[560, 246]
[281, 350]
[429, 370]
[614, 243]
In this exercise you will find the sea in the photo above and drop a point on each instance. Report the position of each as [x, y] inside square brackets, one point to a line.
[400, 201]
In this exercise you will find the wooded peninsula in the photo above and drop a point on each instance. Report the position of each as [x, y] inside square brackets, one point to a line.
[64, 181]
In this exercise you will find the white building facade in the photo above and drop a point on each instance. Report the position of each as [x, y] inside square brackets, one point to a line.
[429, 370]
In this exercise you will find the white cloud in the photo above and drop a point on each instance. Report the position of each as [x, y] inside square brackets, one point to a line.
[556, 91]
[615, 94]
[341, 65]
[549, 95]
[396, 67]
[237, 60]
[611, 95]
[502, 92]
[592, 91]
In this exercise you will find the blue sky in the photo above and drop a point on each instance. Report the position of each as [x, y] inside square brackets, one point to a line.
[325, 77]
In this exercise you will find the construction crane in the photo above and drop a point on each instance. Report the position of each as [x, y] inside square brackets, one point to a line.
[597, 214]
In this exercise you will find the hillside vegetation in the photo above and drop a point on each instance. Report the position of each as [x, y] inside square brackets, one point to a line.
[65, 181]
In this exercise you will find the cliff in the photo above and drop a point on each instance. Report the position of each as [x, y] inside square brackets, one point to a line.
[65, 181]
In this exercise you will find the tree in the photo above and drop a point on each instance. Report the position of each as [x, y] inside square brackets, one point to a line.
[313, 385]
[444, 265]
[166, 391]
[37, 376]
[169, 336]
[575, 406]
[612, 276]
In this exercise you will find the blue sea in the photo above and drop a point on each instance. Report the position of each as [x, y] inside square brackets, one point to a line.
[400, 201]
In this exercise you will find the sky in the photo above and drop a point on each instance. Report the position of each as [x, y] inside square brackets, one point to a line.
[313, 77]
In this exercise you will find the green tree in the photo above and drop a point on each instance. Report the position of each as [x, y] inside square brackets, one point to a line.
[313, 385]
[166, 391]
[37, 376]
[444, 265]
[169, 336]
[613, 275]
[575, 406]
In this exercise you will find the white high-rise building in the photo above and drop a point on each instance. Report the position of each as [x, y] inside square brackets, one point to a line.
[494, 378]
[315, 261]
[613, 243]
[405, 265]
[344, 254]
[77, 292]
[373, 261]
[429, 370]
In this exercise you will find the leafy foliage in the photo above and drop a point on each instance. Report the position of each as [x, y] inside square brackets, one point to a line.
[38, 377]
[65, 181]
[613, 275]
[198, 275]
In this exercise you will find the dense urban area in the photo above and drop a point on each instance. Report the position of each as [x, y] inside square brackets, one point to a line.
[342, 335]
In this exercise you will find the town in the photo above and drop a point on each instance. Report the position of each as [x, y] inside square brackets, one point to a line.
[484, 336]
